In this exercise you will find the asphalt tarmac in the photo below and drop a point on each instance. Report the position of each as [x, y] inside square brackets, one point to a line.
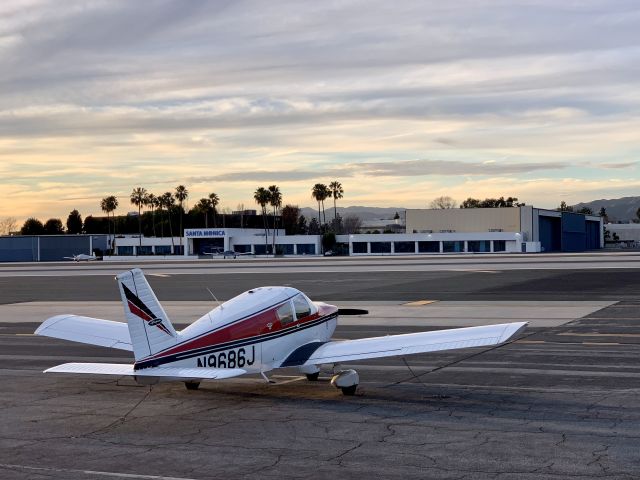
[563, 401]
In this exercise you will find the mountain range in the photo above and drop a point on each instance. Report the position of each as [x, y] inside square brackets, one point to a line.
[618, 209]
[364, 213]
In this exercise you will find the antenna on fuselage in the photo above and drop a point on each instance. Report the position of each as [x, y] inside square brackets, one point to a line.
[214, 297]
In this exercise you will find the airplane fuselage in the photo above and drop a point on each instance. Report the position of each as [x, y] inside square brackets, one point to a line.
[258, 342]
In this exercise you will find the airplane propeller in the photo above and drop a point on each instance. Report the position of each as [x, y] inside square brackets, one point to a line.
[352, 311]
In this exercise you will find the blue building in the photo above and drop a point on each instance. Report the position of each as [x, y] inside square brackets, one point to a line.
[49, 248]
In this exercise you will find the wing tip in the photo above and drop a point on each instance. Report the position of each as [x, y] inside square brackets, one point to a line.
[49, 322]
[512, 329]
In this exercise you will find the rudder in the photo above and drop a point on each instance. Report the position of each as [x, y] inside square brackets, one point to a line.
[149, 326]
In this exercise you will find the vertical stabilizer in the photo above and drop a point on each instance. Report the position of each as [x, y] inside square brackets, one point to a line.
[149, 327]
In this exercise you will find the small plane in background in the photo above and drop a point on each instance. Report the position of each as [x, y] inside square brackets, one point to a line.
[82, 257]
[226, 253]
[258, 331]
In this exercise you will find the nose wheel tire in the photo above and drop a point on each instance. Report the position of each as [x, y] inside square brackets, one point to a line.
[349, 391]
[192, 385]
[313, 377]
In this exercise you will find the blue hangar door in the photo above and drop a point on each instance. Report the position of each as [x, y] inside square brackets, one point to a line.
[550, 233]
[574, 232]
[593, 235]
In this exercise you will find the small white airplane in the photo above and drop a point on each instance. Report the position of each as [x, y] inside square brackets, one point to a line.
[259, 330]
[226, 253]
[82, 257]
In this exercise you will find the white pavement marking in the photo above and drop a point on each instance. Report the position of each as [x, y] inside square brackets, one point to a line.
[424, 263]
[9, 466]
[443, 313]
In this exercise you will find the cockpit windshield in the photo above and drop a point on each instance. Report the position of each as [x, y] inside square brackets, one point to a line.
[302, 306]
[285, 314]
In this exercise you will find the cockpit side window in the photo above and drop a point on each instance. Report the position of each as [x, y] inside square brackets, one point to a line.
[285, 313]
[301, 306]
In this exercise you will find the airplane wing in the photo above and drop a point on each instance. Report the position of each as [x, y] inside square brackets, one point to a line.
[163, 372]
[94, 331]
[399, 345]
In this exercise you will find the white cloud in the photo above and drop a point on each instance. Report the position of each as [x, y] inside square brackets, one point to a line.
[113, 94]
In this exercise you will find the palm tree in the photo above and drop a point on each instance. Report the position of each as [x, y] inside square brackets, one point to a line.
[336, 190]
[275, 199]
[150, 201]
[104, 206]
[262, 196]
[167, 202]
[214, 200]
[320, 192]
[158, 204]
[112, 203]
[137, 198]
[317, 192]
[325, 194]
[181, 195]
[109, 205]
[203, 206]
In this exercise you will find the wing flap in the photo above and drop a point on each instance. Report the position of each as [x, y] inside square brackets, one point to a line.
[412, 343]
[161, 372]
[94, 331]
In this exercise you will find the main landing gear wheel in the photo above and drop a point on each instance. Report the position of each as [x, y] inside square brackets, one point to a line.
[192, 385]
[347, 381]
[313, 377]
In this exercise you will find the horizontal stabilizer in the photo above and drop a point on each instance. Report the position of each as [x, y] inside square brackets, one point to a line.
[161, 372]
[93, 331]
[412, 343]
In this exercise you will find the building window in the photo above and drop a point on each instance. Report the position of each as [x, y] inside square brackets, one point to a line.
[404, 247]
[163, 249]
[453, 247]
[144, 250]
[499, 245]
[306, 249]
[429, 247]
[178, 250]
[242, 248]
[478, 246]
[285, 249]
[359, 247]
[262, 249]
[124, 250]
[380, 247]
[285, 314]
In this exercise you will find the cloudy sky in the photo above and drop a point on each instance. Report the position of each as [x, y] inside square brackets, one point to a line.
[400, 101]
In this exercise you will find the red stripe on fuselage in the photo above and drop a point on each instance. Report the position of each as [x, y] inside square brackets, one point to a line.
[247, 328]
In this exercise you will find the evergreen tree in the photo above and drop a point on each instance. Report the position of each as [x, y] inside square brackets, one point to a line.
[74, 222]
[53, 226]
[32, 226]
